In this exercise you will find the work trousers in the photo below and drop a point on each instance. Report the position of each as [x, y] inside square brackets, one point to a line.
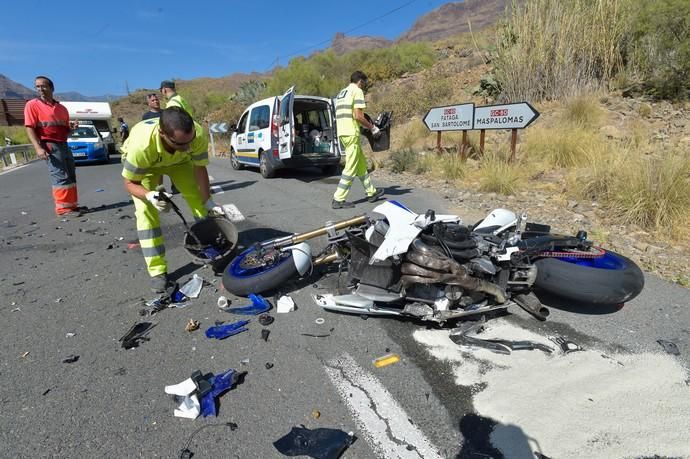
[148, 221]
[63, 175]
[355, 166]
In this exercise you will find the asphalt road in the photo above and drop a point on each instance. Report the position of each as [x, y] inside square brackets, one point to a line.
[74, 288]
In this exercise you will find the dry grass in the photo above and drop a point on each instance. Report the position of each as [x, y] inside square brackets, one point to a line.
[498, 176]
[551, 49]
[582, 111]
[561, 146]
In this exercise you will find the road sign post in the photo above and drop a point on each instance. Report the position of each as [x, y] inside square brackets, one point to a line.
[217, 128]
[465, 117]
[449, 118]
[504, 116]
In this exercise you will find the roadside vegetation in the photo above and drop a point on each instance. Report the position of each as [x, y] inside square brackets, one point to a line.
[567, 58]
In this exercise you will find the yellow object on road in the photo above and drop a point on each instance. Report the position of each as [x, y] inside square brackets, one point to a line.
[386, 360]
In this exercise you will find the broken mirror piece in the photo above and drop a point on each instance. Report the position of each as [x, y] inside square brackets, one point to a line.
[320, 443]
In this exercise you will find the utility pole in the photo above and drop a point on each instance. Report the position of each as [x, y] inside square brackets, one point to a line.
[127, 87]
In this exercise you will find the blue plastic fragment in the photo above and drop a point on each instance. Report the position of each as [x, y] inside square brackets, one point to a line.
[178, 297]
[211, 253]
[259, 306]
[220, 383]
[223, 331]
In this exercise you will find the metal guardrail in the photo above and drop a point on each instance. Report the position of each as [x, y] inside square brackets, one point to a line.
[10, 154]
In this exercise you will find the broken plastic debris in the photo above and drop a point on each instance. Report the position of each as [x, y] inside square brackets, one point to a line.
[192, 288]
[318, 443]
[219, 384]
[264, 334]
[183, 388]
[223, 302]
[224, 331]
[285, 304]
[189, 408]
[136, 333]
[70, 358]
[265, 319]
[669, 346]
[386, 360]
[24, 354]
[70, 334]
[316, 414]
[565, 345]
[233, 213]
[269, 365]
[319, 321]
[259, 305]
[192, 325]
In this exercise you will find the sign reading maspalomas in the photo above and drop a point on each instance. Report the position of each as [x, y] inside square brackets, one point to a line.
[450, 118]
[506, 116]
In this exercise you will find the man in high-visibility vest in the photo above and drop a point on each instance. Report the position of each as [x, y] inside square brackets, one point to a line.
[47, 125]
[349, 116]
[172, 145]
[174, 99]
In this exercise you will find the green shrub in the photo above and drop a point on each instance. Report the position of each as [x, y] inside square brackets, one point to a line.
[499, 176]
[658, 46]
[403, 160]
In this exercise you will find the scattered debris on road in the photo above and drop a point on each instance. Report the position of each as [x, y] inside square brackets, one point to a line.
[70, 358]
[192, 325]
[259, 305]
[386, 360]
[227, 330]
[317, 443]
[566, 345]
[138, 332]
[285, 304]
[669, 346]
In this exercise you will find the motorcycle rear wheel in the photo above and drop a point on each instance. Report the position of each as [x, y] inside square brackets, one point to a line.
[241, 280]
[607, 280]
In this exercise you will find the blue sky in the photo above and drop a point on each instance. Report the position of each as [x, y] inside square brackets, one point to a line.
[98, 48]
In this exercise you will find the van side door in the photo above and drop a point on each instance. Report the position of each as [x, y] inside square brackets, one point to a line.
[259, 132]
[336, 140]
[243, 151]
[286, 125]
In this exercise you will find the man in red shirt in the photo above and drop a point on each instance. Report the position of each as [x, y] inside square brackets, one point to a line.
[47, 125]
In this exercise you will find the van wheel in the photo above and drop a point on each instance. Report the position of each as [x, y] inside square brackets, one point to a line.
[267, 171]
[234, 162]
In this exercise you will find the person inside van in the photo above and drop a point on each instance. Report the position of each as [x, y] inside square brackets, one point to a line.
[349, 116]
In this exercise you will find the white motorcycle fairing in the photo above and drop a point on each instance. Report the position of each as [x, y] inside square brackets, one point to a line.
[403, 227]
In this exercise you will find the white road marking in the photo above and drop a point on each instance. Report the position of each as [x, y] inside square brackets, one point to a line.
[382, 421]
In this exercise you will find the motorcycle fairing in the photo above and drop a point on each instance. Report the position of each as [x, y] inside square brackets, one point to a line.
[404, 227]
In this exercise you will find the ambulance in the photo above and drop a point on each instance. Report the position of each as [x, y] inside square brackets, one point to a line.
[288, 131]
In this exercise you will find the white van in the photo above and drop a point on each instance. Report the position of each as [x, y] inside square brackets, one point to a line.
[96, 113]
[291, 131]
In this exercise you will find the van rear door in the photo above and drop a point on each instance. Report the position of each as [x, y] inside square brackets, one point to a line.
[336, 140]
[286, 125]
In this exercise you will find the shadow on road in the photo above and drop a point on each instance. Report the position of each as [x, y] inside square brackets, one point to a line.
[231, 185]
[477, 431]
[577, 307]
[115, 205]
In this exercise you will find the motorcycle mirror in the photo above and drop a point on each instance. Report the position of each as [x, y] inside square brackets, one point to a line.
[430, 215]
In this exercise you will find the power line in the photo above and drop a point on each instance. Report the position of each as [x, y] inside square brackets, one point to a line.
[388, 13]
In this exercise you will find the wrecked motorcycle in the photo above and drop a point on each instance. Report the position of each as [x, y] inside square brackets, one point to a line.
[433, 267]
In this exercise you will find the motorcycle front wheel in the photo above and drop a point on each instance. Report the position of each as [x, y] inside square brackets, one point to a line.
[605, 280]
[254, 272]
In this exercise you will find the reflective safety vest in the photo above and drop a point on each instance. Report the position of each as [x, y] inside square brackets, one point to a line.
[144, 152]
[50, 121]
[178, 101]
[345, 102]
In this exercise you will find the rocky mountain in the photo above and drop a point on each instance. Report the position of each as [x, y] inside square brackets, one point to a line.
[10, 89]
[452, 18]
[447, 20]
[342, 44]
